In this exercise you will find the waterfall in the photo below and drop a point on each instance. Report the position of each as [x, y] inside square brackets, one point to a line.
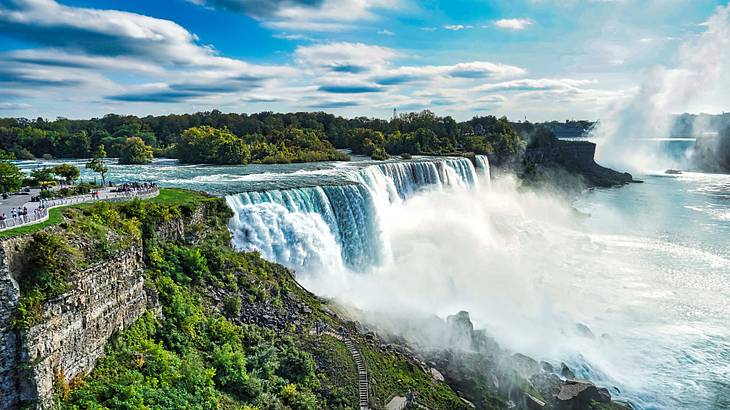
[336, 227]
[483, 167]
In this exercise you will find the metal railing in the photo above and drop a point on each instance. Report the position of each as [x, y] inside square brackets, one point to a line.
[41, 214]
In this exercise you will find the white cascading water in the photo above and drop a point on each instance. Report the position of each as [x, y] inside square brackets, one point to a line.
[321, 230]
[483, 167]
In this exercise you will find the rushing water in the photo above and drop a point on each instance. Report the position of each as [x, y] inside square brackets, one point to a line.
[647, 268]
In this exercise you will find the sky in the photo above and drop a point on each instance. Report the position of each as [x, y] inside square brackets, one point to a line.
[534, 59]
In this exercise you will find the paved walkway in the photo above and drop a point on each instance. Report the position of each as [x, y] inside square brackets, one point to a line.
[33, 217]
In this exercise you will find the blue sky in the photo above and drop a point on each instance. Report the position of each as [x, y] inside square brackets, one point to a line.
[540, 59]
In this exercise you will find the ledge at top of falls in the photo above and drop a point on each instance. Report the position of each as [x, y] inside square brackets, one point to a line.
[406, 174]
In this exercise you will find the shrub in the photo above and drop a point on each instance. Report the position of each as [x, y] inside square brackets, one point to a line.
[232, 305]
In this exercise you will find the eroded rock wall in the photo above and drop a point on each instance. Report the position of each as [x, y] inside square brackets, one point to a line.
[107, 297]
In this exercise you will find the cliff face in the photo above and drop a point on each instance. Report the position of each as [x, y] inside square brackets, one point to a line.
[108, 296]
[576, 157]
[76, 326]
[9, 295]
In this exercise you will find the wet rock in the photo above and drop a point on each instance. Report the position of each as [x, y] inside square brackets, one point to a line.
[460, 329]
[566, 372]
[526, 366]
[532, 402]
[584, 331]
[620, 404]
[578, 394]
[604, 394]
[547, 367]
[495, 382]
[547, 384]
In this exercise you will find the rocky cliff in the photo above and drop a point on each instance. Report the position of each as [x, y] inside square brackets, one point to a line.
[576, 157]
[73, 328]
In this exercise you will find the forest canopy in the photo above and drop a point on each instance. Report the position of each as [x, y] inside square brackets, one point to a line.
[266, 137]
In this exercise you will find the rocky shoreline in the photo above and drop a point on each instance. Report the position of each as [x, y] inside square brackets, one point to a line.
[479, 370]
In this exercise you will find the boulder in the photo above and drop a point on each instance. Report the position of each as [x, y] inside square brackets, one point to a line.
[461, 330]
[566, 372]
[578, 394]
[436, 375]
[547, 384]
[526, 366]
[547, 367]
[584, 331]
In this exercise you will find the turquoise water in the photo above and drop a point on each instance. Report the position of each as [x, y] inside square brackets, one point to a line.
[670, 286]
[648, 270]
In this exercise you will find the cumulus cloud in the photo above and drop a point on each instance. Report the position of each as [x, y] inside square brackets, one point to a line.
[306, 15]
[513, 24]
[96, 53]
[470, 70]
[344, 57]
[258, 8]
[79, 46]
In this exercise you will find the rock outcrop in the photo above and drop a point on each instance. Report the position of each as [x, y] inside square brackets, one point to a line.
[576, 157]
[109, 296]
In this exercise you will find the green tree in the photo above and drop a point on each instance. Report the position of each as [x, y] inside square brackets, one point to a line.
[42, 175]
[98, 163]
[209, 145]
[5, 155]
[11, 178]
[135, 151]
[68, 172]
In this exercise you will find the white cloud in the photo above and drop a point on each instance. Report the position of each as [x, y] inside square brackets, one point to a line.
[456, 27]
[513, 24]
[529, 84]
[386, 32]
[306, 15]
[290, 36]
[345, 55]
[10, 106]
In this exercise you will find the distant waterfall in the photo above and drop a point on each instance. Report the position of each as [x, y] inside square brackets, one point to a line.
[328, 228]
[483, 167]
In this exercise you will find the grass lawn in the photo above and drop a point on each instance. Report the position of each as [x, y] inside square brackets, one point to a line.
[177, 197]
[167, 197]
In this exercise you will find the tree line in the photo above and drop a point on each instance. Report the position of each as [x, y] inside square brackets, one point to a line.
[267, 137]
